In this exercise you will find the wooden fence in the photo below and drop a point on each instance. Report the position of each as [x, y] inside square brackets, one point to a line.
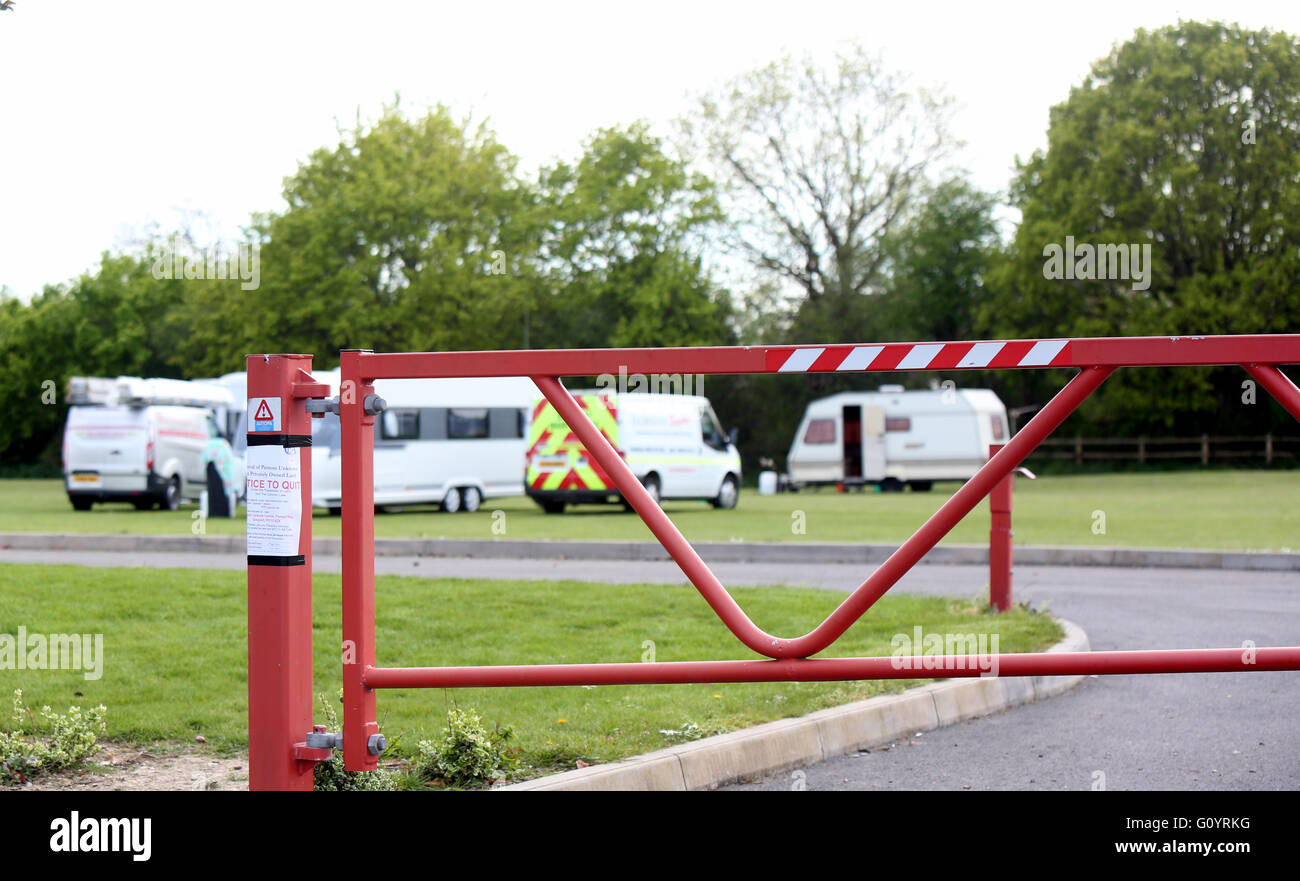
[1205, 448]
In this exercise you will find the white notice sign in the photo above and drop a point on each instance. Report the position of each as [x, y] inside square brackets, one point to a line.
[274, 500]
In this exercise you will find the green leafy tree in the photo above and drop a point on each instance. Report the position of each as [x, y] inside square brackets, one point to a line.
[116, 320]
[938, 261]
[1184, 139]
[407, 235]
[622, 231]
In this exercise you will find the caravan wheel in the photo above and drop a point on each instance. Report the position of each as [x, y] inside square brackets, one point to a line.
[451, 501]
[471, 498]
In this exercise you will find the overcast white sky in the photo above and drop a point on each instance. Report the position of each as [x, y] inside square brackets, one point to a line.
[117, 114]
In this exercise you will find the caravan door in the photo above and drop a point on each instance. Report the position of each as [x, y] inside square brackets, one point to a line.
[873, 444]
[863, 444]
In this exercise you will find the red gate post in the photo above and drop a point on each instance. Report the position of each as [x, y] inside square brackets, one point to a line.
[1000, 539]
[279, 569]
[357, 408]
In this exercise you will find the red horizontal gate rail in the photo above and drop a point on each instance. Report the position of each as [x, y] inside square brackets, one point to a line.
[788, 658]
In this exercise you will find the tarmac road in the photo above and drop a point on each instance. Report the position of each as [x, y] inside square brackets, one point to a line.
[1212, 731]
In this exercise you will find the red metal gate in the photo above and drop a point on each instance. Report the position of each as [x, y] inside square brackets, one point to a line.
[788, 659]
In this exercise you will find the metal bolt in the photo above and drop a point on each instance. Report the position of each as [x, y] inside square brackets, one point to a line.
[374, 404]
[377, 744]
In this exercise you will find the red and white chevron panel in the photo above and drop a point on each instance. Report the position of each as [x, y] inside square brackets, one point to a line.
[919, 356]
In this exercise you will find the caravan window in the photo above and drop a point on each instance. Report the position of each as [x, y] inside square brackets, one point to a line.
[820, 431]
[467, 423]
[898, 423]
[400, 425]
[325, 432]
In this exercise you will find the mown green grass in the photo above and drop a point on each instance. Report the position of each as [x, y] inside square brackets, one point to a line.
[1220, 509]
[175, 652]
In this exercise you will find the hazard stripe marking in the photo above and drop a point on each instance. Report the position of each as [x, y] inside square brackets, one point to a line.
[1042, 353]
[919, 357]
[800, 360]
[980, 355]
[861, 357]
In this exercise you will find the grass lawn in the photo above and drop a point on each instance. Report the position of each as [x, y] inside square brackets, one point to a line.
[175, 653]
[1221, 509]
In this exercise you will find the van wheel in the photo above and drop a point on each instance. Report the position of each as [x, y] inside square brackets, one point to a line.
[451, 501]
[728, 494]
[651, 484]
[891, 485]
[81, 503]
[172, 497]
[921, 486]
[471, 498]
[142, 504]
[551, 507]
[335, 511]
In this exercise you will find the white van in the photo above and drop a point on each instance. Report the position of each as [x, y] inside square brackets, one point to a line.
[673, 443]
[893, 437]
[452, 442]
[144, 441]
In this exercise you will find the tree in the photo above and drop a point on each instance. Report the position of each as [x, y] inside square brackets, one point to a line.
[620, 250]
[937, 262]
[405, 236]
[816, 166]
[117, 320]
[1183, 141]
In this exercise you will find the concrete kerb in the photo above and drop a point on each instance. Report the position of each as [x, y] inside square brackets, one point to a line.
[712, 552]
[792, 743]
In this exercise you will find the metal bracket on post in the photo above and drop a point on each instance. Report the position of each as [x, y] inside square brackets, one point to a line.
[319, 407]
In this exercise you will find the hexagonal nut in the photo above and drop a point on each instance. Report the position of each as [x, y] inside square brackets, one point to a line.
[377, 744]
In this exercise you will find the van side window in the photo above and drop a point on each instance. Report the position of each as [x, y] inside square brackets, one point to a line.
[820, 431]
[462, 423]
[400, 425]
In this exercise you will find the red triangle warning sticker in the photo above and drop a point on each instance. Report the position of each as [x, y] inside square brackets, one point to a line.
[263, 412]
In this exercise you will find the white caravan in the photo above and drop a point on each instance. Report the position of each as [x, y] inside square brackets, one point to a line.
[452, 442]
[144, 441]
[893, 437]
[673, 444]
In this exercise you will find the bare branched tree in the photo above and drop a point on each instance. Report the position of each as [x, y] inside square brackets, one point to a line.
[817, 164]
